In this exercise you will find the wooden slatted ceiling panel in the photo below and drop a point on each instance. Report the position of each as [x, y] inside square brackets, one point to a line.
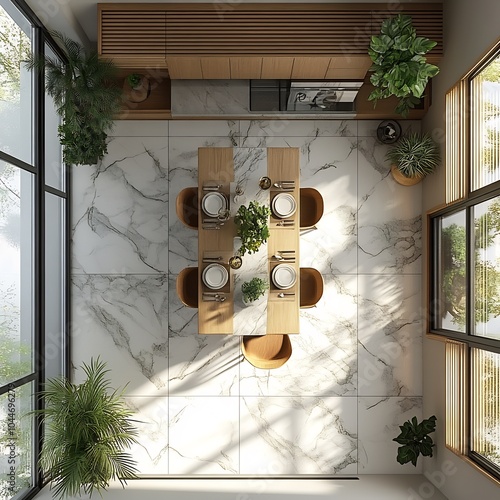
[247, 31]
[133, 32]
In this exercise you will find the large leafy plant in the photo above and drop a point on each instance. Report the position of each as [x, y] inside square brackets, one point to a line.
[87, 428]
[252, 226]
[85, 97]
[399, 66]
[415, 440]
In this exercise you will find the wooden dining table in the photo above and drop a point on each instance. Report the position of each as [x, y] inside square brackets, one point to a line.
[275, 314]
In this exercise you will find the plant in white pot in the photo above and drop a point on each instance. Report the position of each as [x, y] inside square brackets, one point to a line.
[412, 158]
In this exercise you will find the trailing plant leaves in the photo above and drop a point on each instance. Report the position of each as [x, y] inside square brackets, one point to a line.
[252, 226]
[399, 66]
[415, 440]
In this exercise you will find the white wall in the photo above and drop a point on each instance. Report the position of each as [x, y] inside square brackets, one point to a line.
[470, 29]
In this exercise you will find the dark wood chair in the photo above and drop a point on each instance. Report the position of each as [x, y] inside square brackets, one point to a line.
[311, 208]
[266, 351]
[311, 287]
[186, 207]
[187, 286]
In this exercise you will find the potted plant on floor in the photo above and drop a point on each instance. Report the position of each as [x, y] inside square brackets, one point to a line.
[252, 228]
[399, 64]
[85, 97]
[254, 289]
[415, 440]
[413, 157]
[87, 427]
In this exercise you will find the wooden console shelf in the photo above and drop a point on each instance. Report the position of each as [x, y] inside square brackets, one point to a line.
[157, 105]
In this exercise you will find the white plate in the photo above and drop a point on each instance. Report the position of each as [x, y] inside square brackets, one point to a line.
[284, 276]
[284, 205]
[212, 203]
[215, 276]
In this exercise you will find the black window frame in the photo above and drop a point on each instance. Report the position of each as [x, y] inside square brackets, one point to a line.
[41, 37]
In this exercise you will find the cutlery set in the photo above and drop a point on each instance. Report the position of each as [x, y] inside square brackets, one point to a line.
[213, 297]
[284, 185]
[285, 256]
[286, 223]
[215, 187]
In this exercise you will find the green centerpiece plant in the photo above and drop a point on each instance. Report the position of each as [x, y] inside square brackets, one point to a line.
[87, 428]
[399, 64]
[415, 440]
[254, 289]
[85, 96]
[252, 226]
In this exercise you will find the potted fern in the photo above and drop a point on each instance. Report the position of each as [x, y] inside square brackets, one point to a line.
[251, 226]
[85, 97]
[413, 157]
[399, 64]
[415, 440]
[87, 427]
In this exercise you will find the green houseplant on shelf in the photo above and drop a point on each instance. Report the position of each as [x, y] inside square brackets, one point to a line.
[413, 157]
[85, 97]
[87, 428]
[254, 289]
[252, 227]
[415, 440]
[399, 65]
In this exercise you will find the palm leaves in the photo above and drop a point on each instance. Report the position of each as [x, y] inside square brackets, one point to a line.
[84, 96]
[87, 428]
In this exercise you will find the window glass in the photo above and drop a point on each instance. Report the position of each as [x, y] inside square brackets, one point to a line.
[54, 286]
[452, 292]
[54, 167]
[16, 272]
[15, 84]
[487, 268]
[486, 405]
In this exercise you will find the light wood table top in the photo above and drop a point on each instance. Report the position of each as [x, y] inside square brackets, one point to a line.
[215, 166]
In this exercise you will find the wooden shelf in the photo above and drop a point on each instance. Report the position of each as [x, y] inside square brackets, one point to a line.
[157, 106]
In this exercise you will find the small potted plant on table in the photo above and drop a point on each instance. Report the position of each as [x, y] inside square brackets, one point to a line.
[254, 289]
[136, 87]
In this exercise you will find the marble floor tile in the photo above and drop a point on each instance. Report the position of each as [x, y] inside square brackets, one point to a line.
[287, 435]
[123, 319]
[205, 128]
[389, 335]
[378, 423]
[389, 216]
[151, 421]
[140, 128]
[204, 434]
[325, 347]
[199, 365]
[120, 209]
[282, 127]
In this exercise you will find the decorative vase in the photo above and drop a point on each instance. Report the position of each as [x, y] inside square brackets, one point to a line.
[138, 93]
[402, 179]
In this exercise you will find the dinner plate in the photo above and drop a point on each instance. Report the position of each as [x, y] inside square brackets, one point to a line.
[284, 276]
[215, 276]
[212, 203]
[284, 205]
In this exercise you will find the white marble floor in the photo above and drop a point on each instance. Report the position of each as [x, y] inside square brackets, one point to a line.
[355, 372]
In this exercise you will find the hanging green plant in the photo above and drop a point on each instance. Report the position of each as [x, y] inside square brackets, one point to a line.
[85, 97]
[252, 226]
[399, 66]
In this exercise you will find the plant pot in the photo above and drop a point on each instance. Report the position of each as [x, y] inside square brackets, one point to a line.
[138, 93]
[402, 179]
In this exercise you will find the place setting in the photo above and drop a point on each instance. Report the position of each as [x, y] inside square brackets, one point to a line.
[216, 207]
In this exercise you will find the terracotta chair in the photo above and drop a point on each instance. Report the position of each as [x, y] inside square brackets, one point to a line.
[187, 286]
[311, 208]
[311, 287]
[266, 351]
[186, 207]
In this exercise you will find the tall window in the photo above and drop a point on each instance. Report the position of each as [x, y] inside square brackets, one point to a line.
[33, 244]
[465, 269]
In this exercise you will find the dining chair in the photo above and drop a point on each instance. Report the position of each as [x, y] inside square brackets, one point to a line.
[187, 286]
[266, 351]
[311, 208]
[311, 287]
[186, 207]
